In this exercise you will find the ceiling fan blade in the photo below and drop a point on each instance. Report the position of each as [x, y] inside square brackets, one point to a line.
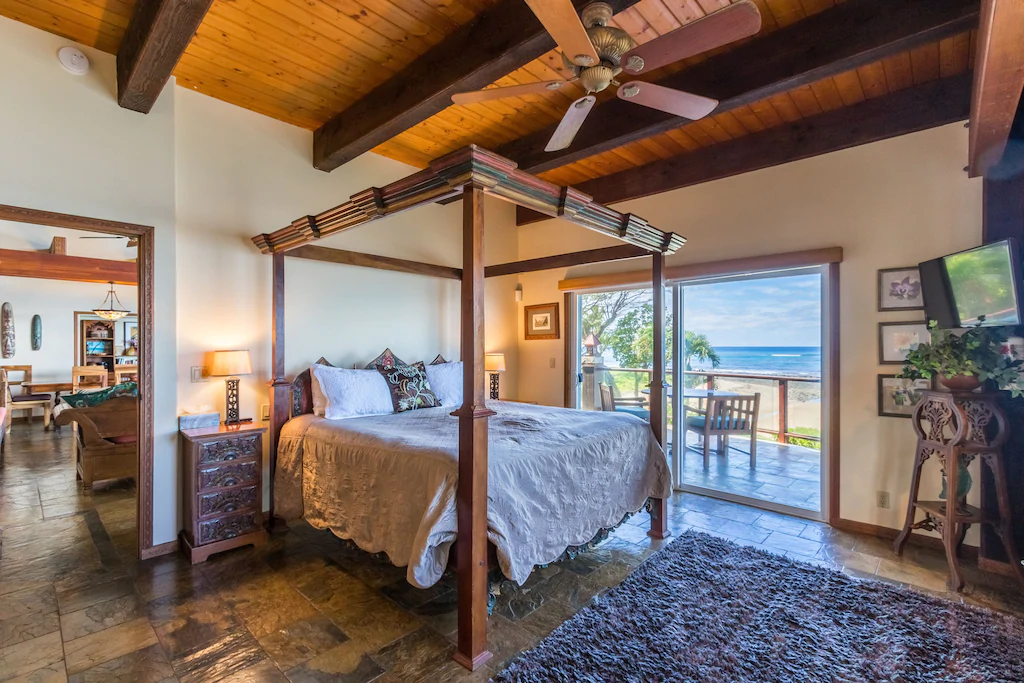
[736, 21]
[560, 19]
[101, 237]
[570, 123]
[509, 91]
[676, 102]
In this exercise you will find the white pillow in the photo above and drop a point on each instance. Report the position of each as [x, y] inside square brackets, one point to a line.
[353, 393]
[446, 382]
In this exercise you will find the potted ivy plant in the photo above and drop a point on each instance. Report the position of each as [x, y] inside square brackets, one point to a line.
[963, 361]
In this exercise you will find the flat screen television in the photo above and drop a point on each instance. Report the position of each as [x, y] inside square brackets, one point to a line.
[981, 285]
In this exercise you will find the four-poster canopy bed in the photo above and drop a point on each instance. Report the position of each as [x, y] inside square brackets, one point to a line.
[470, 173]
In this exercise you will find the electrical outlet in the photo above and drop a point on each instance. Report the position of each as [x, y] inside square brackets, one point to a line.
[198, 373]
[265, 412]
[882, 499]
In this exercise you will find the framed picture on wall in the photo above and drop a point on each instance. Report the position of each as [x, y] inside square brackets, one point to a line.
[131, 332]
[899, 289]
[896, 340]
[898, 397]
[541, 321]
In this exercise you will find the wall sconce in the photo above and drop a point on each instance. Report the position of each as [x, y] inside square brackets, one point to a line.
[519, 292]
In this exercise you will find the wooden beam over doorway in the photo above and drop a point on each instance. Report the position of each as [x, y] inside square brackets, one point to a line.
[355, 258]
[496, 43]
[47, 266]
[998, 81]
[157, 35]
[578, 258]
[906, 111]
[853, 34]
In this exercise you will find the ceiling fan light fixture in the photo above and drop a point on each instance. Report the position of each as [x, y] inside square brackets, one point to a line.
[583, 60]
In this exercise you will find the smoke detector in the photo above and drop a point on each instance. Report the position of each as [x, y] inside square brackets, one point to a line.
[73, 60]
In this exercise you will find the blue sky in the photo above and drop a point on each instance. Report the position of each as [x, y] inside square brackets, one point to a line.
[780, 311]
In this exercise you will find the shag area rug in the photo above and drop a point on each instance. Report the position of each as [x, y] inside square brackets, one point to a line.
[706, 609]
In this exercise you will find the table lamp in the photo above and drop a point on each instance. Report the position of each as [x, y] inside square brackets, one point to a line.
[230, 364]
[494, 363]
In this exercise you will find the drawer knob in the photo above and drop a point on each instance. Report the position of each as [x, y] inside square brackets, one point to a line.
[230, 481]
[231, 455]
[230, 507]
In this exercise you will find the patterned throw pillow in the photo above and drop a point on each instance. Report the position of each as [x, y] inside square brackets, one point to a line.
[386, 359]
[88, 399]
[439, 360]
[409, 387]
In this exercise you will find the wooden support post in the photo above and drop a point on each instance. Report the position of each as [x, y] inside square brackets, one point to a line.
[280, 408]
[659, 421]
[59, 246]
[472, 492]
[783, 418]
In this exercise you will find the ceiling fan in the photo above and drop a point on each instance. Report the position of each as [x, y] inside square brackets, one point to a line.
[132, 241]
[601, 52]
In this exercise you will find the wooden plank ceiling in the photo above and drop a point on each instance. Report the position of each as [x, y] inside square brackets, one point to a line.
[303, 61]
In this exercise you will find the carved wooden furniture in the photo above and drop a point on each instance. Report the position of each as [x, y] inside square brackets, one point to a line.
[107, 439]
[633, 406]
[222, 489]
[88, 377]
[97, 343]
[469, 174]
[956, 428]
[24, 400]
[726, 415]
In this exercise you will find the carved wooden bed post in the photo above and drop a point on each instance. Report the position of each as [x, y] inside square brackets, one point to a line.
[279, 386]
[472, 491]
[659, 423]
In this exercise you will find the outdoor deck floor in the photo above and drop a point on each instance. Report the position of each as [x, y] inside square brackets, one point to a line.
[790, 475]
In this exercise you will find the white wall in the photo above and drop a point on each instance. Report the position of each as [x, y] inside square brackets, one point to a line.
[209, 176]
[889, 204]
[66, 146]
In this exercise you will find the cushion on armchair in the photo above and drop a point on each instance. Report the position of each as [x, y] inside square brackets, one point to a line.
[31, 397]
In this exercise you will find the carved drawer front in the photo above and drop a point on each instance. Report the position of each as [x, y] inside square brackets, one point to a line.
[228, 475]
[223, 528]
[231, 500]
[229, 449]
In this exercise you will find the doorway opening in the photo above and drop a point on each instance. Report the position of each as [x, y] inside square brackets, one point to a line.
[94, 467]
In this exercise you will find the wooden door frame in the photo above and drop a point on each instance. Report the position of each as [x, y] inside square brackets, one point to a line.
[146, 309]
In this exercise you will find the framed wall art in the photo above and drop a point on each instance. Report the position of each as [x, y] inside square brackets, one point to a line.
[899, 289]
[897, 339]
[542, 321]
[897, 397]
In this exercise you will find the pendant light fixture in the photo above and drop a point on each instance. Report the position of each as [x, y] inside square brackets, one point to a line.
[107, 310]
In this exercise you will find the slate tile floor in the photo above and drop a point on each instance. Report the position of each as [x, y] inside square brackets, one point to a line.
[786, 474]
[75, 606]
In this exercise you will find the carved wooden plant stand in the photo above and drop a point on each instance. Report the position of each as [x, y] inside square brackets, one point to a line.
[957, 428]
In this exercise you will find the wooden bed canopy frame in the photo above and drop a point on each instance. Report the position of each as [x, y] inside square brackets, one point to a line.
[470, 173]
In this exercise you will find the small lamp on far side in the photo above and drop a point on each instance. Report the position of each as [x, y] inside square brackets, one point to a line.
[494, 363]
[230, 364]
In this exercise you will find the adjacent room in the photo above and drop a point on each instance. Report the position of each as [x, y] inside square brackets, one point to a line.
[499, 340]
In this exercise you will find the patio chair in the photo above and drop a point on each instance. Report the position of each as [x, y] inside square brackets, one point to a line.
[5, 410]
[633, 406]
[725, 415]
[26, 400]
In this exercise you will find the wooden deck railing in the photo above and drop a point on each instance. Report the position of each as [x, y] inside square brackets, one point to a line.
[783, 382]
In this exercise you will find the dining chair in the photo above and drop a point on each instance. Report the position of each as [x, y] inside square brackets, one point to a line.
[24, 400]
[89, 377]
[725, 415]
[126, 373]
[633, 406]
[5, 411]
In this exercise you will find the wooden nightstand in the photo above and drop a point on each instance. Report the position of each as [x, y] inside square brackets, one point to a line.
[222, 489]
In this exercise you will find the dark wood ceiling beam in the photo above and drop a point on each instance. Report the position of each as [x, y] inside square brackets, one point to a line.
[852, 34]
[47, 266]
[157, 35]
[907, 111]
[493, 45]
[998, 81]
[355, 258]
[578, 258]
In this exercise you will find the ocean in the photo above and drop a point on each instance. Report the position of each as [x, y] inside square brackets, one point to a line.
[801, 361]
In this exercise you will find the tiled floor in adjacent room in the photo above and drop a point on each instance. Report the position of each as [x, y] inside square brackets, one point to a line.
[75, 606]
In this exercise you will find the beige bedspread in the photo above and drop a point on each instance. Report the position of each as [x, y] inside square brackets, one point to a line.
[388, 483]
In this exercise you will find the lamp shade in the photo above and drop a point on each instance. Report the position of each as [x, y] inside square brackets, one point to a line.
[229, 363]
[494, 362]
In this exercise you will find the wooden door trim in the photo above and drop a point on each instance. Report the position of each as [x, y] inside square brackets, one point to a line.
[146, 310]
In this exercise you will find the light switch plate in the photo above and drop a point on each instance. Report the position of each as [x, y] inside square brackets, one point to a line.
[197, 373]
[265, 412]
[551, 362]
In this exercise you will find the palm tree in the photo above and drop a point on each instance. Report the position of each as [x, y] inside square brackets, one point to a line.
[697, 346]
